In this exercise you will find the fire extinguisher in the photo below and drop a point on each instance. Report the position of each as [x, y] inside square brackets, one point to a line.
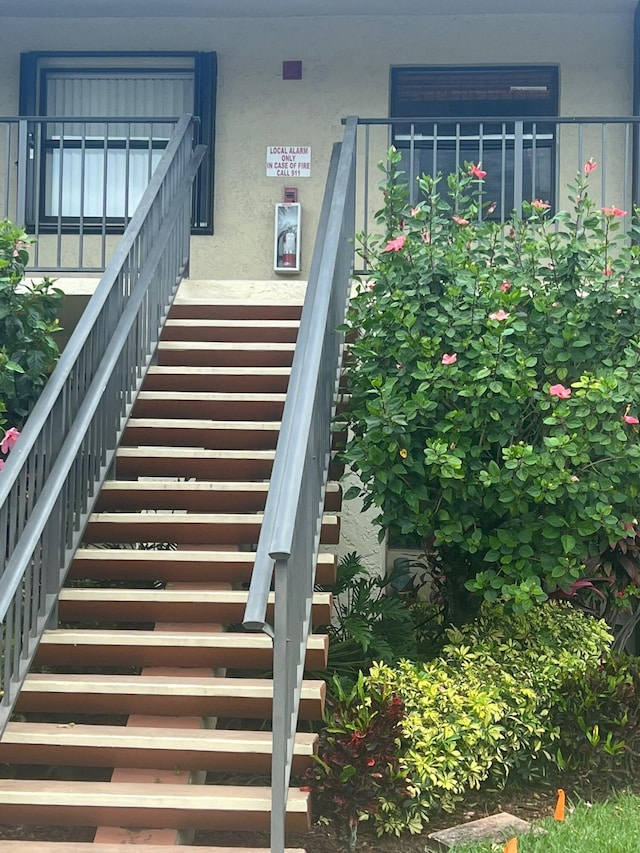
[288, 248]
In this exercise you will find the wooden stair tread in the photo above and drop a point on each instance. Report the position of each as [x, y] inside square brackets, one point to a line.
[203, 423]
[92, 847]
[202, 433]
[150, 737]
[229, 309]
[150, 805]
[155, 796]
[140, 747]
[158, 460]
[199, 454]
[226, 346]
[233, 379]
[198, 517]
[195, 496]
[229, 323]
[194, 329]
[109, 647]
[213, 396]
[171, 605]
[195, 639]
[160, 695]
[197, 405]
[187, 528]
[121, 563]
[158, 684]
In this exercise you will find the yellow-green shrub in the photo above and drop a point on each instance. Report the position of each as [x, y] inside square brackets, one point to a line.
[482, 708]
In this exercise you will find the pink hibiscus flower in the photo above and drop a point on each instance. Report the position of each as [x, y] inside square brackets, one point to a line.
[499, 315]
[560, 391]
[9, 440]
[395, 245]
[477, 171]
[450, 358]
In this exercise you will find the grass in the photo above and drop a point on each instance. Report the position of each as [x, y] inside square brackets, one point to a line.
[609, 827]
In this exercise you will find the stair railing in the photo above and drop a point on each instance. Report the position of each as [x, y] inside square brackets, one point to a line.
[289, 541]
[53, 474]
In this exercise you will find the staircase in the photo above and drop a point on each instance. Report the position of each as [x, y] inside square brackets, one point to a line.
[145, 717]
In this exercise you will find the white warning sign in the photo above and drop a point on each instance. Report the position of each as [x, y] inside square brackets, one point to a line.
[288, 161]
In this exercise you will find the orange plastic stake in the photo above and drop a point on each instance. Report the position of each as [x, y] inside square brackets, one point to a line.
[511, 846]
[560, 802]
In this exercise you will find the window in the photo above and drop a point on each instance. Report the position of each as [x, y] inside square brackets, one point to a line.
[459, 105]
[93, 173]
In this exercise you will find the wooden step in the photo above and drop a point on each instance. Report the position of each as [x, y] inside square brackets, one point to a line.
[132, 804]
[189, 462]
[160, 696]
[199, 309]
[204, 434]
[219, 750]
[195, 405]
[222, 607]
[207, 354]
[187, 529]
[273, 331]
[201, 496]
[188, 566]
[194, 463]
[245, 380]
[96, 647]
[91, 847]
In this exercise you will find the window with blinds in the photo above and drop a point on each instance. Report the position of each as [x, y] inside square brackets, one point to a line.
[458, 115]
[88, 171]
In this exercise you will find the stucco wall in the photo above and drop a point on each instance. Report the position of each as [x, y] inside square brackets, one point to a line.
[346, 64]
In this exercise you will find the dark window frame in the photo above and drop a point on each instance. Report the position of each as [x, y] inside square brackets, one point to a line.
[517, 94]
[32, 102]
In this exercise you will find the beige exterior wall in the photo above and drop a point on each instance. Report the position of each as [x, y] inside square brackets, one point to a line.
[346, 63]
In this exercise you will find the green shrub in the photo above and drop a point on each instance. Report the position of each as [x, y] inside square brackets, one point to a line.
[28, 323]
[358, 763]
[598, 720]
[494, 382]
[482, 710]
[375, 618]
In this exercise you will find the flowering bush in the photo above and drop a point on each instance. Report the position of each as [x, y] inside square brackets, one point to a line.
[495, 387]
[28, 323]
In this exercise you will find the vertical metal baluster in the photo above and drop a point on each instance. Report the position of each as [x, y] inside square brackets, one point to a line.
[23, 166]
[480, 157]
[83, 166]
[603, 171]
[61, 170]
[105, 195]
[434, 163]
[534, 163]
[517, 166]
[503, 174]
[412, 165]
[625, 171]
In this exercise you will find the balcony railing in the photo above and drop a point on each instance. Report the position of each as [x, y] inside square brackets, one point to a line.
[52, 478]
[525, 158]
[74, 183]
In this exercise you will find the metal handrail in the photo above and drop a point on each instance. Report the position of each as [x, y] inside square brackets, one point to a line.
[290, 535]
[53, 475]
[525, 158]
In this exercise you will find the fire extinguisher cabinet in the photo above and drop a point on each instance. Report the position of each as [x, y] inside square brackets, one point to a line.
[286, 250]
